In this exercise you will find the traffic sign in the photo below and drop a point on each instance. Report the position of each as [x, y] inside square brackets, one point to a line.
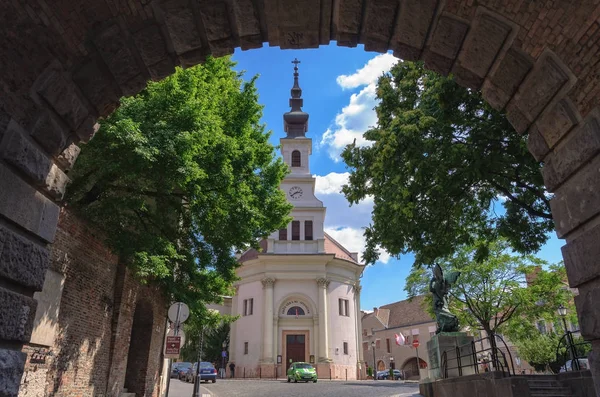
[180, 333]
[172, 347]
[223, 354]
[179, 312]
[415, 343]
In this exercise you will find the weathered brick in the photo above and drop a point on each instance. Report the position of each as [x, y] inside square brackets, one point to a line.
[412, 25]
[581, 145]
[346, 21]
[21, 153]
[97, 86]
[87, 129]
[67, 158]
[21, 260]
[50, 134]
[25, 206]
[56, 183]
[557, 122]
[536, 144]
[378, 24]
[182, 27]
[588, 310]
[61, 94]
[506, 78]
[11, 371]
[150, 44]
[578, 199]
[446, 41]
[247, 18]
[16, 316]
[298, 24]
[582, 257]
[120, 59]
[540, 86]
[484, 41]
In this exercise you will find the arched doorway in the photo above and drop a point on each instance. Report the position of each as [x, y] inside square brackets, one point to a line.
[380, 365]
[411, 369]
[139, 348]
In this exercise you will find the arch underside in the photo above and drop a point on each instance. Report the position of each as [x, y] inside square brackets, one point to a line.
[64, 66]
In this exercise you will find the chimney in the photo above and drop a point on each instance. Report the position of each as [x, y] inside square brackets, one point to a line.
[375, 310]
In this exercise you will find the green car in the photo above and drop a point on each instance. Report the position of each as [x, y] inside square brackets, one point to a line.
[301, 371]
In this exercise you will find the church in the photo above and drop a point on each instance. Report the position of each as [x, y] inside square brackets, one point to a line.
[298, 298]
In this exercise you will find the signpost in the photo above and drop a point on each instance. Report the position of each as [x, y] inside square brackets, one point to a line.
[416, 346]
[178, 313]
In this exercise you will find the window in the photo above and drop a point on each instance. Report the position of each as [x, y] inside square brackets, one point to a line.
[344, 307]
[295, 311]
[345, 347]
[388, 347]
[364, 332]
[248, 307]
[295, 230]
[296, 162]
[365, 345]
[378, 344]
[245, 347]
[283, 234]
[308, 233]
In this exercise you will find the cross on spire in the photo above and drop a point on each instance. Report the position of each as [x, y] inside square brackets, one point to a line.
[296, 62]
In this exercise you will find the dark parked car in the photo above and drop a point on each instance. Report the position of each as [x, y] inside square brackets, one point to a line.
[386, 374]
[179, 369]
[207, 372]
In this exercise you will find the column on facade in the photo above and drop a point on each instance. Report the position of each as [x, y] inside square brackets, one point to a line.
[275, 336]
[232, 331]
[267, 353]
[323, 283]
[357, 321]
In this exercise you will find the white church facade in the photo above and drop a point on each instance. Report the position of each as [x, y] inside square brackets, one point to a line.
[298, 299]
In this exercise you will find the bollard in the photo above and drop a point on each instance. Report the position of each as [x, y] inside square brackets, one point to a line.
[329, 373]
[244, 372]
[275, 366]
[346, 373]
[259, 372]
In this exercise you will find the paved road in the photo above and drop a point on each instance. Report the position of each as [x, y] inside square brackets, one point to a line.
[272, 388]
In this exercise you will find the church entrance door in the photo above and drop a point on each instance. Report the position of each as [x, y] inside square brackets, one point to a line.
[295, 348]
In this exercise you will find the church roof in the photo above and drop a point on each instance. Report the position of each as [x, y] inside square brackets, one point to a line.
[331, 247]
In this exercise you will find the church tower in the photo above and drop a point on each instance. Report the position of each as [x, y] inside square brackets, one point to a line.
[298, 297]
[305, 233]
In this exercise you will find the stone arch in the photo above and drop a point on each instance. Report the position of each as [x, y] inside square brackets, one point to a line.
[297, 299]
[139, 348]
[410, 368]
[68, 66]
[380, 365]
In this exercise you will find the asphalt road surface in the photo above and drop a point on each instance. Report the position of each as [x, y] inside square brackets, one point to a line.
[280, 388]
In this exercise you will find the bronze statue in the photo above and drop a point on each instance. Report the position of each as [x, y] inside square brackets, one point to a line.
[439, 286]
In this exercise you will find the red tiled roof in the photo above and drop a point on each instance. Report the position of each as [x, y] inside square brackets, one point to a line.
[252, 253]
[406, 312]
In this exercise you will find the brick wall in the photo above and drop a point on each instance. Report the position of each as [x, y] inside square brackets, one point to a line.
[90, 351]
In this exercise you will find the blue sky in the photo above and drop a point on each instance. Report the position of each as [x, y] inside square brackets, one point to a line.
[338, 90]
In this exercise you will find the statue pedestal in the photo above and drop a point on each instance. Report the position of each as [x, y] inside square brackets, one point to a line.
[448, 342]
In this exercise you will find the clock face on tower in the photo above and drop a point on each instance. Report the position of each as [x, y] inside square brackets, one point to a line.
[295, 192]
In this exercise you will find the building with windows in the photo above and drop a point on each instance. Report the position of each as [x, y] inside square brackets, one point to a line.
[298, 297]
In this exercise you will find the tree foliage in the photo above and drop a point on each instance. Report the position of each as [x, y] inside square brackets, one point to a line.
[180, 176]
[493, 292]
[441, 159]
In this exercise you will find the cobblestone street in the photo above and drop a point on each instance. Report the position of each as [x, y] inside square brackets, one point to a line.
[280, 388]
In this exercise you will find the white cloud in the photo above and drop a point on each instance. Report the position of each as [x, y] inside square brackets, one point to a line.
[369, 73]
[359, 115]
[354, 241]
[331, 183]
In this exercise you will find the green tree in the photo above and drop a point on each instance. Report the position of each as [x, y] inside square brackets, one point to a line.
[440, 160]
[539, 350]
[181, 176]
[491, 293]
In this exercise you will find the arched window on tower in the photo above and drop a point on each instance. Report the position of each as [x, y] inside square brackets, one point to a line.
[296, 162]
[295, 311]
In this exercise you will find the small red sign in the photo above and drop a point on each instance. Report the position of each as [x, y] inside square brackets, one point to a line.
[173, 345]
[415, 343]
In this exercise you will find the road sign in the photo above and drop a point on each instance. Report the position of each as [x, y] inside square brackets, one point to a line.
[415, 343]
[223, 354]
[179, 312]
[172, 347]
[181, 334]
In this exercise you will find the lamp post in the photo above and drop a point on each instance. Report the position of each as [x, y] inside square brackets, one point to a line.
[562, 312]
[223, 360]
[374, 368]
[392, 362]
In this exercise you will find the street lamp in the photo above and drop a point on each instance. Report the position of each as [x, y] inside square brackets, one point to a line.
[392, 362]
[223, 360]
[562, 312]
[374, 370]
